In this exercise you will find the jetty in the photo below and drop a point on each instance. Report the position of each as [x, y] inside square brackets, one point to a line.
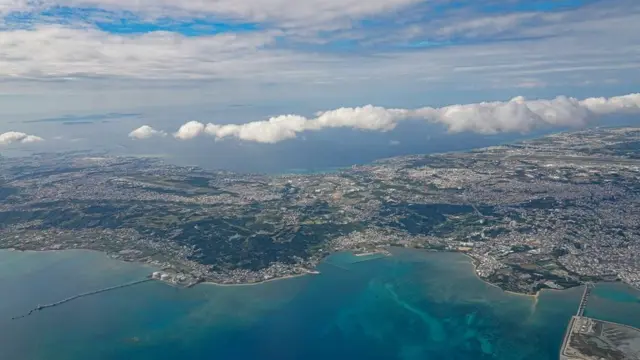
[75, 297]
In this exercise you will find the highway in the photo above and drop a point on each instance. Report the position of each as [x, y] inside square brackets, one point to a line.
[584, 299]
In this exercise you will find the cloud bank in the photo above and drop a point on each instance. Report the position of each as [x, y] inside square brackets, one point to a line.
[14, 137]
[145, 132]
[516, 115]
[287, 13]
[283, 41]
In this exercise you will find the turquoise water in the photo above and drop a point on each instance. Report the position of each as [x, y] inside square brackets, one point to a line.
[413, 305]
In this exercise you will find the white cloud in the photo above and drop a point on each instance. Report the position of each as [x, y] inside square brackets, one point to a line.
[7, 6]
[189, 130]
[530, 84]
[31, 139]
[591, 44]
[270, 131]
[145, 132]
[54, 51]
[486, 26]
[368, 117]
[595, 43]
[288, 13]
[12, 137]
[515, 115]
[628, 103]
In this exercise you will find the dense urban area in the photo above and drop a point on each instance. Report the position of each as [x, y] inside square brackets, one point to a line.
[553, 212]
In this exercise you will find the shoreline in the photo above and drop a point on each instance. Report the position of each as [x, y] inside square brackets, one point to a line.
[535, 296]
[473, 262]
[310, 272]
[293, 276]
[153, 267]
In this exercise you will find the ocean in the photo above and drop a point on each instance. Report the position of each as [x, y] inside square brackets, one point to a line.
[412, 305]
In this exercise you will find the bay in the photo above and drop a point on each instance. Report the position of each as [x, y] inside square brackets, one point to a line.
[412, 305]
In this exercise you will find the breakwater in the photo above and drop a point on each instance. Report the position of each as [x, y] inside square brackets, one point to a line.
[337, 266]
[71, 298]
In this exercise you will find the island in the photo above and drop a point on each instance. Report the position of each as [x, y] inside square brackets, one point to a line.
[554, 212]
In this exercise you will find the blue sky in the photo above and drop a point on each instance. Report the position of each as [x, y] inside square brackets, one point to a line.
[242, 61]
[124, 22]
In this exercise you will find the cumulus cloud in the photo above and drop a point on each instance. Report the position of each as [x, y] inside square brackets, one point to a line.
[516, 115]
[270, 131]
[521, 115]
[625, 103]
[15, 137]
[145, 132]
[368, 117]
[189, 130]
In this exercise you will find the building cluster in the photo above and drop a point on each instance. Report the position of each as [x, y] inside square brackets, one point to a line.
[561, 207]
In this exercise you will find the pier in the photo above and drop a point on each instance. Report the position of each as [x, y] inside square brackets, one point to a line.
[57, 303]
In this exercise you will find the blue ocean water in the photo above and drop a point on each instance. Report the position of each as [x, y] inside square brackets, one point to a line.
[413, 305]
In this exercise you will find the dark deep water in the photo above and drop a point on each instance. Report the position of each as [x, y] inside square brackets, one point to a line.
[413, 305]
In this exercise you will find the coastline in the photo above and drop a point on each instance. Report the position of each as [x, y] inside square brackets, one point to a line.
[154, 268]
[535, 296]
[313, 272]
[292, 276]
[475, 265]
[309, 272]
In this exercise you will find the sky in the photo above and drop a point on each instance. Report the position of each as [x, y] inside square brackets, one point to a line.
[163, 75]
